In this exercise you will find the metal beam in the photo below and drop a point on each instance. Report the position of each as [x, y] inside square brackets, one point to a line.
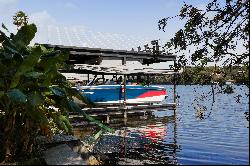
[84, 54]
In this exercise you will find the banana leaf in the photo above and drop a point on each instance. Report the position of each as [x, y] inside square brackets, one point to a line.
[35, 99]
[16, 96]
[24, 35]
[27, 65]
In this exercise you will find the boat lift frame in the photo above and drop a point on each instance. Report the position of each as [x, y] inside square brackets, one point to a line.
[94, 56]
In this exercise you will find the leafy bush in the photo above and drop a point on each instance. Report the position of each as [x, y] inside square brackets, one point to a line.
[32, 92]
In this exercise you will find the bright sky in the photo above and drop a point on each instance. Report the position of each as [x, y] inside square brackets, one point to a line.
[119, 24]
[128, 17]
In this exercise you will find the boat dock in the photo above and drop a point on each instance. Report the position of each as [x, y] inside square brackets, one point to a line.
[123, 111]
[88, 62]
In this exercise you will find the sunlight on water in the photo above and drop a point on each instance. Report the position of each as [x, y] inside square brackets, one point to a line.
[201, 132]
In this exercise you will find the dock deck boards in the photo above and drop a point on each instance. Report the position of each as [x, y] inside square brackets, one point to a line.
[118, 110]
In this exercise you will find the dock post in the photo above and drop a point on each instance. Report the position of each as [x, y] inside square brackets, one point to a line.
[124, 85]
[124, 97]
[125, 114]
[124, 89]
[103, 79]
[174, 87]
[124, 61]
[125, 121]
[175, 70]
[108, 118]
[175, 133]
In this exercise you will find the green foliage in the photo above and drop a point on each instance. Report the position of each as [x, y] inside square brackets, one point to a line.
[33, 94]
[207, 75]
[228, 89]
[20, 19]
[212, 34]
[24, 36]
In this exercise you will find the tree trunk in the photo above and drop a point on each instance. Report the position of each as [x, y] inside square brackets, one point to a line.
[8, 148]
[19, 137]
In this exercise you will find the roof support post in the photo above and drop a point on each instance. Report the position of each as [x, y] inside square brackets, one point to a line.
[174, 87]
[124, 60]
[108, 118]
[148, 80]
[124, 89]
[103, 79]
[175, 70]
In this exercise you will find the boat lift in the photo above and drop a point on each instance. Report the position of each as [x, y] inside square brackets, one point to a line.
[88, 61]
[122, 70]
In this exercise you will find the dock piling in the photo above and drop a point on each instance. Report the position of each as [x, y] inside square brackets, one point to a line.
[175, 82]
[124, 91]
[108, 119]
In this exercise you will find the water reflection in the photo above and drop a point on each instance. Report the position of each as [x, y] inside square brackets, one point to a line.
[146, 139]
[218, 133]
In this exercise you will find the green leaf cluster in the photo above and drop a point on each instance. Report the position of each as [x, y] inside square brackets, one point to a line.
[32, 91]
[212, 33]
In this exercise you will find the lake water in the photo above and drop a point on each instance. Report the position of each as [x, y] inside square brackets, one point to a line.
[199, 132]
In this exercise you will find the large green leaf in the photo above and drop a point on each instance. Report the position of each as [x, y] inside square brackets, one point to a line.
[27, 65]
[35, 99]
[74, 92]
[58, 91]
[61, 80]
[94, 138]
[5, 40]
[17, 96]
[33, 74]
[31, 60]
[97, 135]
[50, 75]
[66, 122]
[11, 50]
[24, 35]
[52, 58]
[37, 115]
[62, 122]
[49, 64]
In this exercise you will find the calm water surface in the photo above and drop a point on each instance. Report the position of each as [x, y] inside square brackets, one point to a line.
[201, 132]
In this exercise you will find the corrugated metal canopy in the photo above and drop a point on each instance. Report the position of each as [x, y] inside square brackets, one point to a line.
[84, 55]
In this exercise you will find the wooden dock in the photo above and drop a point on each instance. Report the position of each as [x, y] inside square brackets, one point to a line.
[123, 111]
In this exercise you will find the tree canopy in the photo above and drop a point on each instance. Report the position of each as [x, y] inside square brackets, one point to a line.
[218, 33]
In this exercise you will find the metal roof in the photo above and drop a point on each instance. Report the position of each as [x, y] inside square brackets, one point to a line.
[86, 55]
[83, 36]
